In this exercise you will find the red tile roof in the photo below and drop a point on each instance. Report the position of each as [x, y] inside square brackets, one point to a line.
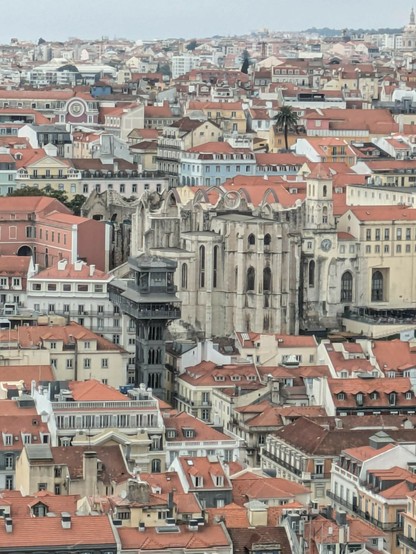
[207, 538]
[47, 532]
[93, 390]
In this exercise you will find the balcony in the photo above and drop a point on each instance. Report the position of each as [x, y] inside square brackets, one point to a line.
[296, 471]
[383, 525]
[109, 405]
[341, 501]
[407, 541]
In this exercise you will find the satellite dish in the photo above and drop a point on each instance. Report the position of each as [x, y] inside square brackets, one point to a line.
[123, 494]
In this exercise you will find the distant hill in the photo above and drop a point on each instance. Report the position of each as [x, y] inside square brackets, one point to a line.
[327, 32]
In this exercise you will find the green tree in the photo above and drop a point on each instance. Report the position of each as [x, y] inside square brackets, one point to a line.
[246, 61]
[27, 191]
[286, 120]
[192, 45]
[76, 203]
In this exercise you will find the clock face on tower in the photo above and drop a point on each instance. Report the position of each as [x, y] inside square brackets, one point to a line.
[76, 108]
[326, 245]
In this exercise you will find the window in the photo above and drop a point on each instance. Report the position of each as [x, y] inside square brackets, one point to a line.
[202, 266]
[398, 248]
[69, 363]
[67, 287]
[311, 276]
[399, 233]
[268, 240]
[386, 249]
[346, 287]
[51, 308]
[66, 308]
[386, 233]
[9, 482]
[104, 363]
[267, 279]
[251, 278]
[52, 286]
[8, 461]
[8, 440]
[368, 234]
[87, 363]
[215, 267]
[52, 345]
[251, 240]
[377, 284]
[368, 249]
[116, 339]
[42, 486]
[82, 288]
[184, 276]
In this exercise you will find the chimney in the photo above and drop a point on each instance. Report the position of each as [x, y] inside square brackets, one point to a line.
[92, 270]
[90, 472]
[193, 525]
[8, 524]
[66, 520]
[170, 503]
[138, 491]
[341, 517]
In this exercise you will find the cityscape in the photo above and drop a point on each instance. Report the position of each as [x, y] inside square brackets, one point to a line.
[208, 283]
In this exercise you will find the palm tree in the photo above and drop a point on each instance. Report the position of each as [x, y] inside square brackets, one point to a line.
[286, 119]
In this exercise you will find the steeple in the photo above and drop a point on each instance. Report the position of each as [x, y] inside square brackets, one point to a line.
[412, 17]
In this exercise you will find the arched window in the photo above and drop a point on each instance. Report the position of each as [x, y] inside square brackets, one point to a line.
[267, 239]
[325, 191]
[184, 276]
[251, 240]
[156, 466]
[311, 273]
[324, 214]
[202, 266]
[377, 285]
[251, 278]
[215, 267]
[267, 279]
[346, 287]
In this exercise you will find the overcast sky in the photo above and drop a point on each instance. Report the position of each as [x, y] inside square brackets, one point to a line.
[148, 19]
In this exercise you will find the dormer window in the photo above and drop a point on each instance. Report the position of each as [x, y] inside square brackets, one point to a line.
[219, 377]
[198, 480]
[344, 374]
[359, 398]
[408, 395]
[7, 439]
[40, 510]
[219, 480]
[374, 395]
[392, 399]
[235, 378]
[170, 433]
[341, 396]
[188, 433]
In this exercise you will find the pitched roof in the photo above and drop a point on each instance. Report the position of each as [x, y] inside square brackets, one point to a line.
[207, 537]
[47, 532]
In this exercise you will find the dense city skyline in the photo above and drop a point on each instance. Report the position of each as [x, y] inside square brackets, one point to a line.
[148, 20]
